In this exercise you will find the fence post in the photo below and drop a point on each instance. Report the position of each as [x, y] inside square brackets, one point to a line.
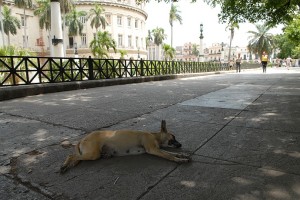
[142, 67]
[90, 66]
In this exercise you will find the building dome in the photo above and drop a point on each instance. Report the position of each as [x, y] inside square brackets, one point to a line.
[126, 24]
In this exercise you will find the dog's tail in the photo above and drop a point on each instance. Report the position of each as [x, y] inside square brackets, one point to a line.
[72, 160]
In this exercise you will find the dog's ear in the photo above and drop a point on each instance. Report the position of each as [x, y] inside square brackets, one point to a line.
[163, 126]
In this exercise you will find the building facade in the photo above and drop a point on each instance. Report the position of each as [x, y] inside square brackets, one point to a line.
[125, 23]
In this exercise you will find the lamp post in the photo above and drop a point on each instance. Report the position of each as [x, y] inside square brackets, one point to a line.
[56, 48]
[139, 53]
[201, 56]
[222, 52]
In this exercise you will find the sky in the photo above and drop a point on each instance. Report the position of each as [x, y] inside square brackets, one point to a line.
[193, 14]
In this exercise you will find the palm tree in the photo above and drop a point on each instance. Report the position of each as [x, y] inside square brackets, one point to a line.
[10, 23]
[97, 18]
[195, 50]
[65, 6]
[24, 4]
[1, 22]
[261, 40]
[159, 36]
[74, 23]
[101, 44]
[174, 16]
[232, 25]
[169, 52]
[44, 12]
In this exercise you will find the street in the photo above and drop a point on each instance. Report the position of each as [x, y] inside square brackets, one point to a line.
[241, 129]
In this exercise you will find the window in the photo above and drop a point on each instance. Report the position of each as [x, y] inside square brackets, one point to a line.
[129, 41]
[137, 42]
[82, 19]
[119, 20]
[108, 19]
[142, 42]
[120, 40]
[83, 39]
[23, 21]
[129, 22]
[136, 23]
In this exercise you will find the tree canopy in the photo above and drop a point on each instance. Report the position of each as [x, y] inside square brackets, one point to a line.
[273, 12]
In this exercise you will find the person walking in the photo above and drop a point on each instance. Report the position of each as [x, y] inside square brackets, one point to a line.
[288, 62]
[264, 61]
[238, 63]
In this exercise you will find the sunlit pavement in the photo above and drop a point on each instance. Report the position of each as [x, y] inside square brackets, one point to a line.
[241, 129]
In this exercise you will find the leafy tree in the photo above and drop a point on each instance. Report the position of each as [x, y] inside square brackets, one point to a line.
[169, 52]
[174, 15]
[74, 23]
[284, 44]
[261, 40]
[24, 4]
[97, 18]
[289, 41]
[10, 23]
[271, 11]
[101, 44]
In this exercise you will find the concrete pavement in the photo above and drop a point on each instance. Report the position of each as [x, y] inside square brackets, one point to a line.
[242, 131]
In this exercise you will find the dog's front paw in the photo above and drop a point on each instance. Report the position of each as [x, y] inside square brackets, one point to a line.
[182, 155]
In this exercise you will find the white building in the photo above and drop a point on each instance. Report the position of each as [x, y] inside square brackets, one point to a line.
[126, 24]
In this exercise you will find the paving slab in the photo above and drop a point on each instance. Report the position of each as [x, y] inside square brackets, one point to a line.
[272, 149]
[275, 112]
[207, 178]
[20, 135]
[10, 190]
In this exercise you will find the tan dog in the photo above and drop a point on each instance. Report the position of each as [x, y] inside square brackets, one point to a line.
[124, 142]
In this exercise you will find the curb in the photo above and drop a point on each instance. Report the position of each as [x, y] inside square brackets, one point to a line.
[12, 92]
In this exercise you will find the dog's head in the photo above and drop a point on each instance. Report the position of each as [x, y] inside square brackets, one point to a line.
[168, 139]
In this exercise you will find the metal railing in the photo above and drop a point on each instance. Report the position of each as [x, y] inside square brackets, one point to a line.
[19, 70]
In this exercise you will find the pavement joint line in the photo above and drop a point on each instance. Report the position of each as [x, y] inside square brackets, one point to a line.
[240, 163]
[27, 184]
[155, 184]
[42, 121]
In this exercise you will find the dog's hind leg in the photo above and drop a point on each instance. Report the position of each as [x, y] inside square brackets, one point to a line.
[81, 153]
[71, 161]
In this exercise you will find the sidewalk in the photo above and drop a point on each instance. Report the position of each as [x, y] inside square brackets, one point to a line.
[242, 131]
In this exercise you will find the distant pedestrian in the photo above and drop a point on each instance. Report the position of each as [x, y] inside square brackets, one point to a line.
[238, 63]
[264, 61]
[288, 62]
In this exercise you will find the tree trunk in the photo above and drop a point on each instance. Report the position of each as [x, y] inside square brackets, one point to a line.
[1, 22]
[231, 37]
[25, 27]
[171, 35]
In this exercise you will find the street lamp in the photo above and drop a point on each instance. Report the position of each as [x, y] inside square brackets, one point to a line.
[201, 31]
[222, 52]
[201, 44]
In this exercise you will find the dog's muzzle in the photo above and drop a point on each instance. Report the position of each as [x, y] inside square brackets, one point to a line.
[174, 143]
